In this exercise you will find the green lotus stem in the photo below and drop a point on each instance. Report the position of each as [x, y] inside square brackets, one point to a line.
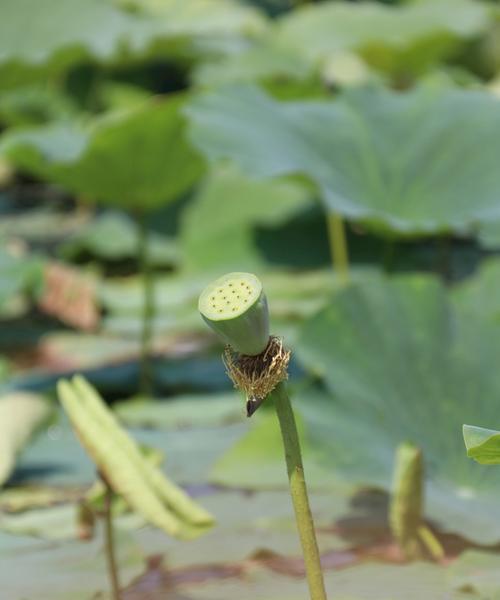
[235, 307]
[109, 541]
[298, 492]
[148, 311]
[338, 245]
[430, 541]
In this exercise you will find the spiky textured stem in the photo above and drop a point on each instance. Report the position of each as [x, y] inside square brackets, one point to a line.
[109, 542]
[148, 313]
[338, 245]
[298, 492]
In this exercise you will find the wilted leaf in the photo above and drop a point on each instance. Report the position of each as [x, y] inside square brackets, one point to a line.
[21, 414]
[69, 295]
[136, 160]
[417, 162]
[120, 461]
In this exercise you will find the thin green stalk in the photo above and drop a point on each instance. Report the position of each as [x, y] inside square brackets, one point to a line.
[298, 491]
[109, 541]
[338, 245]
[148, 313]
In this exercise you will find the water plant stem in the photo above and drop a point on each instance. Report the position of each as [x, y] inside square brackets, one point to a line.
[298, 492]
[109, 541]
[148, 312]
[338, 245]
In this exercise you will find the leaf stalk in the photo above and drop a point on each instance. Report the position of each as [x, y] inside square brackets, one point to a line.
[298, 492]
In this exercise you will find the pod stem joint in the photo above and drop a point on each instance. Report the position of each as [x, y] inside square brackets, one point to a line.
[257, 376]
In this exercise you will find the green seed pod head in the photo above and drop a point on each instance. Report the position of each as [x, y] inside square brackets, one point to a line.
[235, 307]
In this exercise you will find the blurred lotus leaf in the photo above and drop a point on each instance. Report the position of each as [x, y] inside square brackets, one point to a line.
[478, 295]
[112, 237]
[393, 38]
[411, 163]
[137, 159]
[21, 275]
[21, 415]
[240, 205]
[340, 40]
[62, 33]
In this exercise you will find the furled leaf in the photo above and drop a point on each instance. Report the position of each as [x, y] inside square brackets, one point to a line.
[417, 162]
[21, 415]
[119, 459]
[483, 445]
[138, 159]
[408, 37]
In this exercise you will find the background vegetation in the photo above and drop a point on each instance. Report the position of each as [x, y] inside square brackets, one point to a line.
[347, 153]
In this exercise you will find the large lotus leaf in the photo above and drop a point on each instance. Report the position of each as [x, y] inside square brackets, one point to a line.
[218, 226]
[60, 33]
[137, 160]
[266, 59]
[403, 365]
[479, 294]
[410, 36]
[69, 571]
[401, 40]
[416, 162]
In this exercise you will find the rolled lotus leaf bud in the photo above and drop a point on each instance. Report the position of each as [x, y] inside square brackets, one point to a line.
[235, 307]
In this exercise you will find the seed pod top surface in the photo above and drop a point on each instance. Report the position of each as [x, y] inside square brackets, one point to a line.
[229, 296]
[236, 308]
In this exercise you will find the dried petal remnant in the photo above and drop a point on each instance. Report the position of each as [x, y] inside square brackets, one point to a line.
[257, 376]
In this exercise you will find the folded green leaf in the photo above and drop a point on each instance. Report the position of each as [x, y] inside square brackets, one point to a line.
[119, 459]
[483, 445]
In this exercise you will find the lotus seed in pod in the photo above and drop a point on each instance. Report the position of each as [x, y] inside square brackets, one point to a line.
[235, 307]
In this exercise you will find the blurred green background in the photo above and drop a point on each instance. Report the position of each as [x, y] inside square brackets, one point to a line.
[348, 153]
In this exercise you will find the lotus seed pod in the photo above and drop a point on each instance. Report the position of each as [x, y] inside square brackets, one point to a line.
[235, 307]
